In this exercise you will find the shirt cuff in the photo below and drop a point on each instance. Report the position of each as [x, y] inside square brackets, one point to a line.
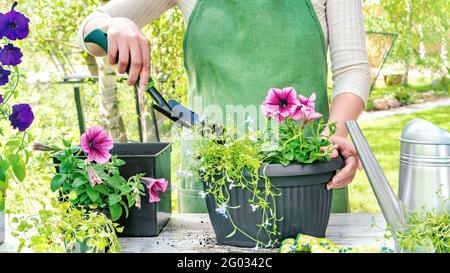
[80, 33]
[354, 83]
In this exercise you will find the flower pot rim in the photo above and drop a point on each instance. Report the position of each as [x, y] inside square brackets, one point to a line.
[139, 145]
[166, 145]
[278, 170]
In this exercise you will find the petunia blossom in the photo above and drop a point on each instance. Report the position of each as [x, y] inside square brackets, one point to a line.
[280, 102]
[4, 76]
[41, 147]
[154, 186]
[21, 117]
[305, 109]
[310, 114]
[94, 179]
[14, 25]
[310, 102]
[96, 142]
[10, 55]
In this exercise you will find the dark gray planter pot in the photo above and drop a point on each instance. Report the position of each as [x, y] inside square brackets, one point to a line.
[153, 159]
[304, 204]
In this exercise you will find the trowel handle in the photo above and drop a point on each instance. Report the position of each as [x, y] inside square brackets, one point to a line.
[98, 37]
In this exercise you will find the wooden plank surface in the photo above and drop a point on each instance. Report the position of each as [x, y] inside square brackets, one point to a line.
[194, 233]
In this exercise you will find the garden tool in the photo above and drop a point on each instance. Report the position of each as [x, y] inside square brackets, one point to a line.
[309, 244]
[424, 177]
[171, 109]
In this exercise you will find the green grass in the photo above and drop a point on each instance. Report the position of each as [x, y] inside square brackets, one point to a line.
[383, 137]
[380, 92]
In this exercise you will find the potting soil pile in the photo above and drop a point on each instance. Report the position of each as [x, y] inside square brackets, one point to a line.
[305, 243]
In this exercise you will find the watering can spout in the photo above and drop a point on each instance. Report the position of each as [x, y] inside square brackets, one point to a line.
[389, 203]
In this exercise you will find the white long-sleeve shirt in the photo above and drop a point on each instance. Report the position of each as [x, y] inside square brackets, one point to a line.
[341, 21]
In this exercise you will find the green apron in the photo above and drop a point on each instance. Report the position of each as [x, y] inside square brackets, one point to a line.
[236, 50]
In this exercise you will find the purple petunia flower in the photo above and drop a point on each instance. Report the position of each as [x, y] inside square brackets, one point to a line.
[4, 76]
[21, 116]
[10, 55]
[14, 25]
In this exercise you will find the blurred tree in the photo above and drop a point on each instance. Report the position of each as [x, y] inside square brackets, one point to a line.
[166, 37]
[54, 26]
[422, 27]
[110, 116]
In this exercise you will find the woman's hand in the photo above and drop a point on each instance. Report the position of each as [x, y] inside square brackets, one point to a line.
[126, 44]
[346, 149]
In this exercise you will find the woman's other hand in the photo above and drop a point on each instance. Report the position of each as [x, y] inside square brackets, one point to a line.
[346, 149]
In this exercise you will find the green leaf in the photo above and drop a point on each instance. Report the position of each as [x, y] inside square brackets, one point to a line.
[116, 212]
[93, 194]
[114, 199]
[4, 164]
[83, 197]
[79, 181]
[289, 156]
[2, 174]
[102, 189]
[130, 200]
[126, 209]
[119, 162]
[56, 182]
[18, 166]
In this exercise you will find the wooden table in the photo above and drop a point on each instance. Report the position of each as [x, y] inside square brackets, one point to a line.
[194, 233]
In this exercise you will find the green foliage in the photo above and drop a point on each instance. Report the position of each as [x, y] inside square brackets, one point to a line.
[54, 25]
[14, 154]
[417, 23]
[403, 96]
[297, 145]
[64, 227]
[237, 164]
[237, 160]
[114, 191]
[426, 230]
[429, 230]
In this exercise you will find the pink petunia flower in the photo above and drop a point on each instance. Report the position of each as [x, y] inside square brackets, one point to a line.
[96, 142]
[305, 109]
[94, 179]
[310, 102]
[310, 114]
[281, 102]
[153, 186]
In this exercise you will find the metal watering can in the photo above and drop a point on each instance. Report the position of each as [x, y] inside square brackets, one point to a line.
[424, 178]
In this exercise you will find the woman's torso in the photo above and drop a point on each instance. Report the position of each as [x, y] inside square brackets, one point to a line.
[186, 7]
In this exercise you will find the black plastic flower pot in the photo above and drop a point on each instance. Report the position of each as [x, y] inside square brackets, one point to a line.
[304, 204]
[153, 159]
